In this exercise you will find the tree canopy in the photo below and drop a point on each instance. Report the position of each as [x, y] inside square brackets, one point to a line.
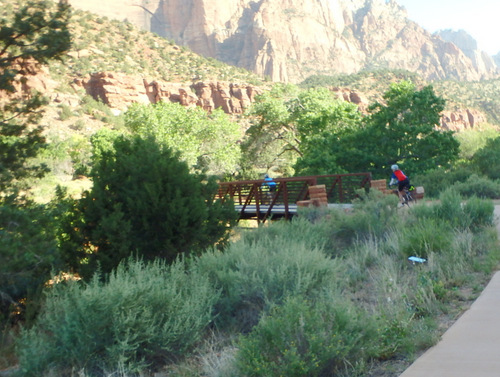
[36, 33]
[207, 142]
[403, 130]
[487, 159]
[144, 201]
[322, 121]
[32, 34]
[270, 143]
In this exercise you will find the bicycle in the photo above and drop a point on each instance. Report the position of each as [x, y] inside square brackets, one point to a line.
[407, 196]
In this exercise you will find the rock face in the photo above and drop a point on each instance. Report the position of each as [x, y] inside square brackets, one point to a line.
[480, 60]
[32, 77]
[119, 91]
[138, 12]
[289, 40]
[461, 119]
[351, 96]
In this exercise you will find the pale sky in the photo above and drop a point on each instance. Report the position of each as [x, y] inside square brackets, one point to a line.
[479, 18]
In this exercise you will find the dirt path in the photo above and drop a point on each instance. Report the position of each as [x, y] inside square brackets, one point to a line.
[471, 347]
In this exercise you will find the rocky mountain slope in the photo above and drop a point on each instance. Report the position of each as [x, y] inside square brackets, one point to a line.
[289, 40]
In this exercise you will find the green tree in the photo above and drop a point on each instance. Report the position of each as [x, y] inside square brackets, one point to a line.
[487, 159]
[31, 34]
[144, 201]
[405, 130]
[28, 254]
[295, 132]
[472, 140]
[36, 33]
[323, 124]
[270, 142]
[207, 142]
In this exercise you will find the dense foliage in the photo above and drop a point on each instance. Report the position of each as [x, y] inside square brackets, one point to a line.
[143, 201]
[325, 135]
[36, 34]
[207, 142]
[28, 254]
[323, 124]
[270, 143]
[156, 312]
[296, 298]
[487, 159]
[404, 130]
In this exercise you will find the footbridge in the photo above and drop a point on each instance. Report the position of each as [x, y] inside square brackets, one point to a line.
[254, 200]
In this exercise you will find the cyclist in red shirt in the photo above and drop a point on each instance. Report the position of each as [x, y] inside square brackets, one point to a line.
[401, 179]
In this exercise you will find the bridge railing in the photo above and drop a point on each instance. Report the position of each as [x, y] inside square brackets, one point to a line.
[254, 194]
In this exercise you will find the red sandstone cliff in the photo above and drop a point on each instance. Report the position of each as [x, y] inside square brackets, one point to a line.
[119, 91]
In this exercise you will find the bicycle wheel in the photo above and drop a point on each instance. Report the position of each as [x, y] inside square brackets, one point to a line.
[410, 199]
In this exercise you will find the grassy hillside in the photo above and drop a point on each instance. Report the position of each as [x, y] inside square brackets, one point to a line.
[103, 45]
[119, 46]
[481, 95]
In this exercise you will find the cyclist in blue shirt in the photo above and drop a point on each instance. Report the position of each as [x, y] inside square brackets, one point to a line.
[268, 181]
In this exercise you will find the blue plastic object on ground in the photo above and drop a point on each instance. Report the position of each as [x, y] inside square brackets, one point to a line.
[417, 260]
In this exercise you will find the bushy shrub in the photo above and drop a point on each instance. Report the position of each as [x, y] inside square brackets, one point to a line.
[481, 187]
[424, 298]
[333, 229]
[400, 333]
[448, 269]
[28, 255]
[449, 208]
[143, 200]
[473, 140]
[479, 212]
[372, 215]
[253, 276]
[95, 108]
[436, 181]
[305, 339]
[425, 237]
[66, 112]
[308, 229]
[487, 159]
[144, 315]
[472, 213]
[375, 212]
[486, 245]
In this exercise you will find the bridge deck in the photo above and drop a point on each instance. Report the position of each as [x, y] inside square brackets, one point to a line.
[280, 210]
